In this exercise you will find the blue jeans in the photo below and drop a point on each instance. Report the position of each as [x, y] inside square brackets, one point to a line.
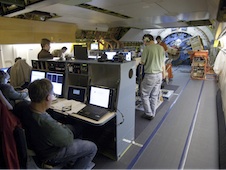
[78, 155]
[150, 88]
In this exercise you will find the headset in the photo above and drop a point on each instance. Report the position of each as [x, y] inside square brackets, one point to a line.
[103, 58]
[148, 38]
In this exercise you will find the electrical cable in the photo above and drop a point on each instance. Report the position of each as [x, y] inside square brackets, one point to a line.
[121, 116]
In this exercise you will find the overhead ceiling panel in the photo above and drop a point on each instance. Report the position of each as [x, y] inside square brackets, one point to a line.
[103, 11]
[193, 16]
[74, 2]
[213, 8]
[85, 14]
[82, 23]
[31, 6]
[183, 6]
[173, 25]
[143, 8]
[112, 4]
[141, 14]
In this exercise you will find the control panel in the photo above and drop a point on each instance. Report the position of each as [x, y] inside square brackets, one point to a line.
[49, 65]
[78, 68]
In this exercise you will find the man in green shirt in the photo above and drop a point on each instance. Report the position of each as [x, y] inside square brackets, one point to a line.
[52, 141]
[153, 57]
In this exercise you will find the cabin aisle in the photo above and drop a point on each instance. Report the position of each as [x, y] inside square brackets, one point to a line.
[183, 134]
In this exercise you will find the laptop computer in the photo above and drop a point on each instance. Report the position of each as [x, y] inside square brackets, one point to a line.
[100, 101]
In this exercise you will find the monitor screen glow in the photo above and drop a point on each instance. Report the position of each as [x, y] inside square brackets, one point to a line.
[128, 56]
[94, 46]
[99, 96]
[4, 69]
[110, 55]
[77, 93]
[57, 81]
[35, 75]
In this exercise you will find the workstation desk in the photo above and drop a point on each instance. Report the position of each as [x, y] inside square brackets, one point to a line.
[115, 127]
[75, 108]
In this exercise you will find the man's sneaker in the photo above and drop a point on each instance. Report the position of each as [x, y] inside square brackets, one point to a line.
[147, 117]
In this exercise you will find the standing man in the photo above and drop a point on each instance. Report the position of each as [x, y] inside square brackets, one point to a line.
[152, 58]
[44, 53]
[168, 66]
[160, 42]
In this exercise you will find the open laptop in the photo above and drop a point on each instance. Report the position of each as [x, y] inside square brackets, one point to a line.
[100, 101]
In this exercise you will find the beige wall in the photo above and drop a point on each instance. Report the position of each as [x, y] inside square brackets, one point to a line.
[19, 31]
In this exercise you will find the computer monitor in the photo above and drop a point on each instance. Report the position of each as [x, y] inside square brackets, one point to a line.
[57, 80]
[128, 56]
[77, 93]
[4, 69]
[99, 96]
[94, 46]
[35, 75]
[110, 55]
[80, 52]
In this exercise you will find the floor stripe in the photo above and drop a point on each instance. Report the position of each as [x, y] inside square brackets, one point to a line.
[138, 155]
[190, 133]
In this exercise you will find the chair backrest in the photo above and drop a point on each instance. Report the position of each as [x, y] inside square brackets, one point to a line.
[21, 144]
[5, 101]
[8, 122]
[19, 137]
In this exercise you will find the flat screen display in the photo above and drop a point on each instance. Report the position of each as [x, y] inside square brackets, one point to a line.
[128, 56]
[94, 46]
[57, 80]
[99, 96]
[4, 69]
[110, 55]
[35, 75]
[80, 52]
[77, 93]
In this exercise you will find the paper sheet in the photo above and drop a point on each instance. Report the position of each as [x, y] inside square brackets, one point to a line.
[75, 106]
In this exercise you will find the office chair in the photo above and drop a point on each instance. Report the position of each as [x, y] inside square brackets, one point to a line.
[8, 124]
[27, 157]
[21, 145]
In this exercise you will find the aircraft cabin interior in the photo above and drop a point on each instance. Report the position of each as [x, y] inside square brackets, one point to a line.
[98, 70]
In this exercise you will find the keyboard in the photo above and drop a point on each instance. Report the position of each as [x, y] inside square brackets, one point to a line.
[93, 112]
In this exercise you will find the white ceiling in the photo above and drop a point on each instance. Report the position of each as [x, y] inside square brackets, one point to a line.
[145, 14]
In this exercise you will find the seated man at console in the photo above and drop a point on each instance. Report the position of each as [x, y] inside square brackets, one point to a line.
[52, 141]
[8, 91]
[60, 52]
